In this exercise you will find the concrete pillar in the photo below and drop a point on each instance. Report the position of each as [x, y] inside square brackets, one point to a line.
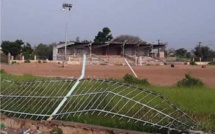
[200, 59]
[23, 58]
[158, 53]
[35, 57]
[8, 58]
[12, 57]
[136, 60]
[140, 60]
[55, 53]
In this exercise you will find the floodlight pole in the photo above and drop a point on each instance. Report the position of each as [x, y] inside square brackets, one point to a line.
[66, 7]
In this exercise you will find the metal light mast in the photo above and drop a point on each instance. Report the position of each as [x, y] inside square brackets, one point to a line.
[66, 7]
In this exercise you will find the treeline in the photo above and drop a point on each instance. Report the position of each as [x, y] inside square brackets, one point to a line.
[203, 52]
[17, 47]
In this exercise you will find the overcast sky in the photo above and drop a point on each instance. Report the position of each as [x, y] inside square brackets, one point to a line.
[181, 23]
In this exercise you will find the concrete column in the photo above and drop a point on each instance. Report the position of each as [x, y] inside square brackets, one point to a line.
[12, 57]
[8, 58]
[158, 53]
[140, 60]
[200, 59]
[55, 52]
[23, 58]
[35, 57]
[136, 60]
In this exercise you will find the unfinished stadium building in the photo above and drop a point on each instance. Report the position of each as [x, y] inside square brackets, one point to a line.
[110, 53]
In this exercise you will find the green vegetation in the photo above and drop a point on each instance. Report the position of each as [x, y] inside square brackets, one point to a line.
[212, 63]
[193, 63]
[2, 126]
[56, 130]
[196, 101]
[133, 80]
[103, 36]
[27, 61]
[189, 81]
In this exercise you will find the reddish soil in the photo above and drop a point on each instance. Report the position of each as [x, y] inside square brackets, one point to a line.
[158, 75]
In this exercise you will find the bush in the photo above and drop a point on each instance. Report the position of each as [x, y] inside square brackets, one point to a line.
[56, 130]
[189, 81]
[132, 80]
[2, 71]
[13, 62]
[211, 63]
[193, 63]
[2, 126]
[27, 61]
[39, 61]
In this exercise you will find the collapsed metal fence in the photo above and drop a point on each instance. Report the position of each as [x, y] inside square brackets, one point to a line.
[38, 99]
[65, 99]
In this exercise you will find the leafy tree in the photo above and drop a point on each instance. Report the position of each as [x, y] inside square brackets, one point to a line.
[77, 39]
[128, 38]
[181, 52]
[204, 52]
[44, 51]
[27, 51]
[103, 36]
[171, 52]
[14, 48]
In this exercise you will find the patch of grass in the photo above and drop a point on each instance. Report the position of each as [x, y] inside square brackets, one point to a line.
[133, 80]
[193, 63]
[56, 130]
[2, 71]
[13, 62]
[27, 61]
[190, 81]
[211, 63]
[2, 126]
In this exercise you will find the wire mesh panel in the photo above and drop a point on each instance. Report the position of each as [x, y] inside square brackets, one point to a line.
[35, 99]
[93, 99]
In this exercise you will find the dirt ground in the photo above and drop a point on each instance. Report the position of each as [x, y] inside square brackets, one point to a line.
[158, 75]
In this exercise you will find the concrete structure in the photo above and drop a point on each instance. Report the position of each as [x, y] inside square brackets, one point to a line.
[78, 49]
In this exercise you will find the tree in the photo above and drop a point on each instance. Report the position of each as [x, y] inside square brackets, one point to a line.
[204, 52]
[171, 52]
[44, 51]
[14, 48]
[103, 36]
[181, 52]
[130, 39]
[27, 51]
[77, 39]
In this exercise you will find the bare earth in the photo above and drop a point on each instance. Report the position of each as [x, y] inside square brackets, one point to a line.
[158, 75]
